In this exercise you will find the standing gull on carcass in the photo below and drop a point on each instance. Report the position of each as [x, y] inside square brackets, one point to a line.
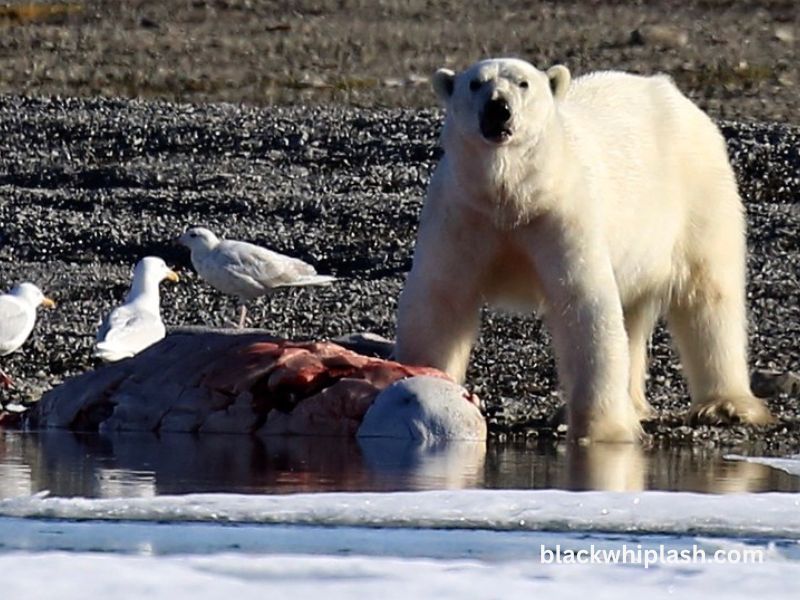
[17, 318]
[136, 324]
[245, 270]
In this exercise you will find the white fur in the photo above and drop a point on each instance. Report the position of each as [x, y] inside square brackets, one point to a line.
[612, 203]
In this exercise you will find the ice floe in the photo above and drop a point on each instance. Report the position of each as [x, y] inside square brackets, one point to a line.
[65, 576]
[771, 514]
[787, 464]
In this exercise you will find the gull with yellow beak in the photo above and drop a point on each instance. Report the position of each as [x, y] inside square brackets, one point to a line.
[17, 318]
[135, 324]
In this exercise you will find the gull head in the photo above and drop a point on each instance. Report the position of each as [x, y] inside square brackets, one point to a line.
[31, 294]
[198, 239]
[153, 268]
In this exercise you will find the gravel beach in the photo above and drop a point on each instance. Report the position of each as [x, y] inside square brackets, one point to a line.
[89, 185]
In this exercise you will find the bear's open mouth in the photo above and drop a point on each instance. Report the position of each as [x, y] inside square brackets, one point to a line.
[497, 135]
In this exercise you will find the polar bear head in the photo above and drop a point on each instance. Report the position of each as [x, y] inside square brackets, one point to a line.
[500, 102]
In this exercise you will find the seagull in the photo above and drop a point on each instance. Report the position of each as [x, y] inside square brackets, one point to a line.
[17, 318]
[245, 270]
[136, 323]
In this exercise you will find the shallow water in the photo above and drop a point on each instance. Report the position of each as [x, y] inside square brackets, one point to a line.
[136, 465]
[140, 526]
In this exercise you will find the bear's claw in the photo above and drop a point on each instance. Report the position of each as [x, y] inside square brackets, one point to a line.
[747, 410]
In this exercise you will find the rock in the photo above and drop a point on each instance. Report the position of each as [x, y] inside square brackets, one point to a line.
[415, 79]
[785, 34]
[664, 36]
[368, 344]
[311, 81]
[425, 409]
[148, 23]
[771, 383]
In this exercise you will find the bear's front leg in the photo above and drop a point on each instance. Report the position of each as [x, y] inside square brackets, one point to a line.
[439, 307]
[583, 313]
[437, 321]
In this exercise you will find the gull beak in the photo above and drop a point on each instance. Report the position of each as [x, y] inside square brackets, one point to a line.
[48, 303]
[172, 276]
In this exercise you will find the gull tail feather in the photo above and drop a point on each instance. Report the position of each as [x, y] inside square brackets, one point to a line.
[107, 353]
[312, 280]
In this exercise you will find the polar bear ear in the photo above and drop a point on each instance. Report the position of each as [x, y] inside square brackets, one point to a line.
[443, 82]
[559, 80]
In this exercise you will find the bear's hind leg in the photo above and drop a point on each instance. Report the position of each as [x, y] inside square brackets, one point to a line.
[709, 324]
[640, 318]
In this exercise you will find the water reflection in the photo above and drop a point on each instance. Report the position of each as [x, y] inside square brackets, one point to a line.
[612, 467]
[68, 464]
[627, 467]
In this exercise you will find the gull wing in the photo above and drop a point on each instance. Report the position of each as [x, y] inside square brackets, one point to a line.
[128, 330]
[257, 266]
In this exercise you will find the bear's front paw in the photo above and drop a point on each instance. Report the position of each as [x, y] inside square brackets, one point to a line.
[614, 432]
[623, 428]
[748, 410]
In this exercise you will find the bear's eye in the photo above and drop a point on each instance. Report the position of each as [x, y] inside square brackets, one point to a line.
[523, 84]
[475, 85]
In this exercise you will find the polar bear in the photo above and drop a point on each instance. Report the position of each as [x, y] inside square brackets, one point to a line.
[602, 203]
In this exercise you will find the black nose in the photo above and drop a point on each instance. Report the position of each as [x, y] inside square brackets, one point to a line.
[497, 111]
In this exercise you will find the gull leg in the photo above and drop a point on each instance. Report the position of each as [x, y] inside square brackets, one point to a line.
[268, 311]
[5, 380]
[292, 328]
[242, 316]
